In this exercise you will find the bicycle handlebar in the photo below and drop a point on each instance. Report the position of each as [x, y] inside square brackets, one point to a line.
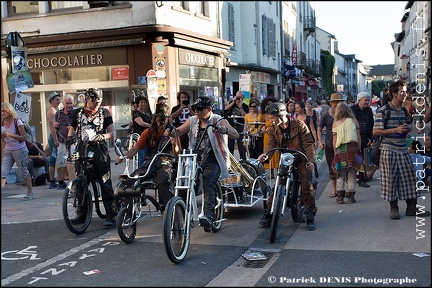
[292, 151]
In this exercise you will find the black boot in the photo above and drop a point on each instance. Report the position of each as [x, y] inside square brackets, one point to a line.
[394, 210]
[412, 209]
[207, 221]
[266, 219]
[310, 220]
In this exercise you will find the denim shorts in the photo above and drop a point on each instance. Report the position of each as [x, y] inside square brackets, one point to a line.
[19, 156]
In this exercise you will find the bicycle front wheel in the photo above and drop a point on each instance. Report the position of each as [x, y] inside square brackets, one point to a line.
[277, 211]
[176, 230]
[95, 190]
[218, 211]
[126, 224]
[77, 206]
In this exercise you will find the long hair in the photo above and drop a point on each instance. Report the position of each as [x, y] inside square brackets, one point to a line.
[153, 130]
[343, 111]
[265, 103]
[9, 108]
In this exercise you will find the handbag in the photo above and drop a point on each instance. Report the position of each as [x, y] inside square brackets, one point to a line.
[376, 152]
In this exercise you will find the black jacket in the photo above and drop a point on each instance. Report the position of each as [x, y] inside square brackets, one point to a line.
[366, 121]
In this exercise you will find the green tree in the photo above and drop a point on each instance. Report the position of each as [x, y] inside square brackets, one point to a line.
[379, 85]
[327, 64]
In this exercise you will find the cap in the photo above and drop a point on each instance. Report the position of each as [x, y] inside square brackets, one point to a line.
[374, 100]
[335, 97]
[362, 95]
[52, 95]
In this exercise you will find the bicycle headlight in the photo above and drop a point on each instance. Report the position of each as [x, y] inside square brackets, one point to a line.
[90, 154]
[287, 159]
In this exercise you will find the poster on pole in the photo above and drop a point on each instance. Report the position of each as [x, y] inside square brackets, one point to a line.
[19, 59]
[19, 81]
[22, 106]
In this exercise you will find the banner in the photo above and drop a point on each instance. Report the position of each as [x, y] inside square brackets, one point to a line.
[22, 106]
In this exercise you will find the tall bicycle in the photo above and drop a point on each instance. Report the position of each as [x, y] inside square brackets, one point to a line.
[287, 189]
[131, 194]
[81, 191]
[182, 213]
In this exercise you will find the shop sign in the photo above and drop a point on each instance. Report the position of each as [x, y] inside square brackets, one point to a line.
[294, 55]
[189, 57]
[120, 73]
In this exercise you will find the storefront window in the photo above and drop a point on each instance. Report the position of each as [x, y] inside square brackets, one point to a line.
[55, 5]
[23, 7]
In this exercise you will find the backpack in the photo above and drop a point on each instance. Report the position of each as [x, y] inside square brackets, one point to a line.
[41, 179]
[28, 132]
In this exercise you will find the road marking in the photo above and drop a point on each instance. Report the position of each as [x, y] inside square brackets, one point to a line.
[55, 259]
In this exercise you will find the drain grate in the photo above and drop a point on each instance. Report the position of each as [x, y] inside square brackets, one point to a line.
[259, 263]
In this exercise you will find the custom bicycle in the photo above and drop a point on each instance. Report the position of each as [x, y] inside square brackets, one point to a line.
[287, 189]
[182, 213]
[82, 191]
[131, 195]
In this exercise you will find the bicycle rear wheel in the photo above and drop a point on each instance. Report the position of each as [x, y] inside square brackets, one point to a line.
[218, 212]
[77, 206]
[126, 223]
[176, 230]
[277, 211]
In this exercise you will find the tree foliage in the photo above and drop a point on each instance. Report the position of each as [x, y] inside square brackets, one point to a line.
[379, 85]
[327, 65]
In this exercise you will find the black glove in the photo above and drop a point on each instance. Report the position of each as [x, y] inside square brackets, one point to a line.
[69, 141]
[99, 138]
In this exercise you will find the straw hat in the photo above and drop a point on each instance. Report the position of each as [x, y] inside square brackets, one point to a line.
[335, 97]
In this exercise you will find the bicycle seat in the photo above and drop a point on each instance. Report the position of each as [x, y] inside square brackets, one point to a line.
[124, 125]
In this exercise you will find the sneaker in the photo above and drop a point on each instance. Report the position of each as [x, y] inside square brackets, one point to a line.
[61, 186]
[52, 185]
[206, 223]
[29, 196]
[266, 220]
[109, 223]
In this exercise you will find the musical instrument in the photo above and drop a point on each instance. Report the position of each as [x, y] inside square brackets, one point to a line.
[236, 116]
[237, 167]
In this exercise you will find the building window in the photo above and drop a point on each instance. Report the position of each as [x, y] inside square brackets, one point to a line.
[269, 37]
[203, 8]
[23, 7]
[184, 5]
[231, 25]
[56, 5]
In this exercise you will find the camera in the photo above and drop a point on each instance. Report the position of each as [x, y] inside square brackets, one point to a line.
[185, 102]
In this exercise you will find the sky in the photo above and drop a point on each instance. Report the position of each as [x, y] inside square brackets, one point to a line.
[363, 28]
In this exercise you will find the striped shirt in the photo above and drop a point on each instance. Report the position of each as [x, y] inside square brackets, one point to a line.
[393, 142]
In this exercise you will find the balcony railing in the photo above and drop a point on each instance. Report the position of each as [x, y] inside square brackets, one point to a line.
[309, 24]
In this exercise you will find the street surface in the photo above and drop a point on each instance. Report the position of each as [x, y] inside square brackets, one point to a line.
[353, 245]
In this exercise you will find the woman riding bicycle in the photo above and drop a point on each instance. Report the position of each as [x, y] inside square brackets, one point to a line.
[293, 134]
[154, 138]
[212, 151]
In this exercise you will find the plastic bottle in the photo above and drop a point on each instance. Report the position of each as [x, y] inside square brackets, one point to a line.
[320, 156]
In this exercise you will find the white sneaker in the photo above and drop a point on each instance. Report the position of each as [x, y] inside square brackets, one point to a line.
[29, 196]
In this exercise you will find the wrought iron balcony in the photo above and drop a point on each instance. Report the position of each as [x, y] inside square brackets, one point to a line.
[309, 24]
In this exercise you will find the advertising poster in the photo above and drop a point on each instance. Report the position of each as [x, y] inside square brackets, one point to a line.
[19, 81]
[19, 59]
[22, 106]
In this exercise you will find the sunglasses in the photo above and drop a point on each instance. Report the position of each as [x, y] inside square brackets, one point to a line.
[200, 109]
[253, 106]
[96, 99]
